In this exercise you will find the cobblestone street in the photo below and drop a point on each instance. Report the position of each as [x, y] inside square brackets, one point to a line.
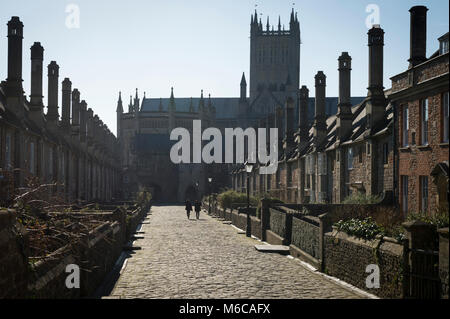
[205, 258]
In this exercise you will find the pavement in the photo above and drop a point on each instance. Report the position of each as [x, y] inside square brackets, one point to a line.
[207, 259]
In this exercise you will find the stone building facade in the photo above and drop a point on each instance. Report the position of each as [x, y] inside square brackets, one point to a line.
[420, 96]
[76, 151]
[144, 130]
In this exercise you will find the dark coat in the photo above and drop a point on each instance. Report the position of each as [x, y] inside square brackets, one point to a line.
[188, 206]
[198, 206]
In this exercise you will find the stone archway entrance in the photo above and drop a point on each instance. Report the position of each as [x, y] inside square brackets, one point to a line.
[191, 193]
[156, 192]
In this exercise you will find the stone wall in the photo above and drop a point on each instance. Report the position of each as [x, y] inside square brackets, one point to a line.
[13, 260]
[278, 222]
[239, 220]
[347, 257]
[95, 253]
[306, 235]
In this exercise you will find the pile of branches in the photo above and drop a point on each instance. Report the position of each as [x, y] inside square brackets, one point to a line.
[49, 220]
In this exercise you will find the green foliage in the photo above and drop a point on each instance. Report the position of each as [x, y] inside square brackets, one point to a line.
[365, 229]
[143, 198]
[229, 197]
[439, 219]
[360, 198]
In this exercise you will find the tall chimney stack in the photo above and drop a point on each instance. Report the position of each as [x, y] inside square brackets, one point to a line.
[15, 38]
[90, 126]
[83, 117]
[53, 78]
[289, 126]
[418, 35]
[36, 105]
[66, 97]
[320, 125]
[279, 125]
[303, 116]
[376, 104]
[344, 115]
[376, 60]
[75, 112]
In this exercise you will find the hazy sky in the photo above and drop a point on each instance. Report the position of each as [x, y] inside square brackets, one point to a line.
[198, 44]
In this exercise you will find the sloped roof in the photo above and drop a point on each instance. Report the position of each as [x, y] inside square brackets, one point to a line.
[358, 128]
[226, 107]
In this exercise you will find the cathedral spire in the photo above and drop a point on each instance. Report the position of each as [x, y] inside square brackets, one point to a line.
[130, 106]
[172, 106]
[119, 104]
[279, 23]
[191, 106]
[201, 104]
[268, 24]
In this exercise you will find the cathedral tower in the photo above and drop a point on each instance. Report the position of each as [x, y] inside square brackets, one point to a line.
[274, 57]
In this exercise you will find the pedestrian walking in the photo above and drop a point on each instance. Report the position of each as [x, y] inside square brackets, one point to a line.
[198, 208]
[188, 208]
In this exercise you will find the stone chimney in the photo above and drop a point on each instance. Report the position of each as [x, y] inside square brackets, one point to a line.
[90, 126]
[418, 35]
[83, 117]
[15, 38]
[344, 114]
[95, 129]
[66, 98]
[279, 125]
[303, 116]
[75, 112]
[289, 126]
[52, 107]
[376, 103]
[320, 124]
[376, 44]
[36, 105]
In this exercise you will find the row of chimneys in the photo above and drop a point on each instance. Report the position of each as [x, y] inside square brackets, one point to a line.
[84, 123]
[376, 100]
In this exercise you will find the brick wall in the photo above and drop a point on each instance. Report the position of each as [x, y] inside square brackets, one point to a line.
[418, 160]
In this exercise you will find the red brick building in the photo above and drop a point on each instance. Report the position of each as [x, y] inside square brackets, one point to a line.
[420, 96]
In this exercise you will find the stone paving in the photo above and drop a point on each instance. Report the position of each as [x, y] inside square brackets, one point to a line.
[203, 259]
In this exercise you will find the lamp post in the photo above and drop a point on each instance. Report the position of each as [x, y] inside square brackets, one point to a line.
[209, 195]
[248, 169]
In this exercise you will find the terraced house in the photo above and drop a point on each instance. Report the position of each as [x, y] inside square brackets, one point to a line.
[420, 96]
[76, 151]
[394, 143]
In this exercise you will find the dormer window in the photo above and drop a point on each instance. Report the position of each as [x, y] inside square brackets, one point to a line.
[443, 45]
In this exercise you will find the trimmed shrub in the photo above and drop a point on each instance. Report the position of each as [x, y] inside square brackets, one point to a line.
[360, 198]
[365, 229]
[227, 198]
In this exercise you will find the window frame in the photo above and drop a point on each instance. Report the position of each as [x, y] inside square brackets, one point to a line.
[424, 121]
[405, 186]
[424, 193]
[386, 153]
[405, 125]
[350, 157]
